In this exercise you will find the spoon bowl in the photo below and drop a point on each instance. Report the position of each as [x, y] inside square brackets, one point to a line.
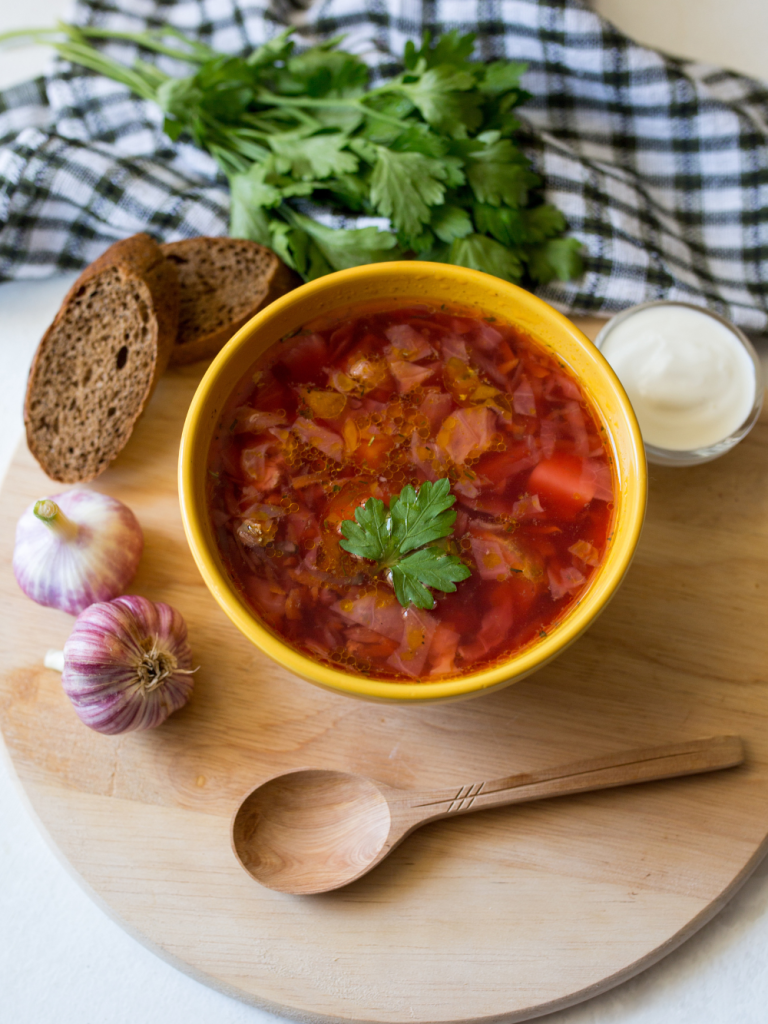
[314, 830]
[302, 829]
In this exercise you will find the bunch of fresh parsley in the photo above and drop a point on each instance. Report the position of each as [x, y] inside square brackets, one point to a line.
[432, 150]
[414, 520]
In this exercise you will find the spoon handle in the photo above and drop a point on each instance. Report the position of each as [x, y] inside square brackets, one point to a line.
[619, 769]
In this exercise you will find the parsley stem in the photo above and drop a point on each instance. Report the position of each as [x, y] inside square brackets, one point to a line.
[31, 33]
[78, 34]
[87, 56]
[266, 97]
[383, 117]
[248, 149]
[197, 54]
[151, 73]
[229, 162]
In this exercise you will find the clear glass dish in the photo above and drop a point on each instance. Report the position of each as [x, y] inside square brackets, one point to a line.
[692, 457]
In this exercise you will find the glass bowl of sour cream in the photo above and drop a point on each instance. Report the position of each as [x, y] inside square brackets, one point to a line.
[694, 379]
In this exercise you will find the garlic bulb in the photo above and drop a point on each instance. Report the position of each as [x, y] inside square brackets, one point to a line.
[127, 664]
[76, 548]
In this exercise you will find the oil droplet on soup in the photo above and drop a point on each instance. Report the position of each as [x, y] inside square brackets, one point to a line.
[359, 408]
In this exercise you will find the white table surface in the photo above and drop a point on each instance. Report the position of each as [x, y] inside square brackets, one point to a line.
[63, 960]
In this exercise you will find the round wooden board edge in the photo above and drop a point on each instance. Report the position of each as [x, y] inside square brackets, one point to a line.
[302, 1016]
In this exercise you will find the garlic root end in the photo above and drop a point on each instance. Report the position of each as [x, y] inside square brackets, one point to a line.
[54, 660]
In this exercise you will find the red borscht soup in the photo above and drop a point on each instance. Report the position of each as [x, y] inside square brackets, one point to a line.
[361, 406]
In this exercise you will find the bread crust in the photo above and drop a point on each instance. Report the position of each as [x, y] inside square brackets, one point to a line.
[138, 261]
[277, 280]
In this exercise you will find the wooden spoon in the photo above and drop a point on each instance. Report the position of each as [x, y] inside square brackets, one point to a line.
[314, 830]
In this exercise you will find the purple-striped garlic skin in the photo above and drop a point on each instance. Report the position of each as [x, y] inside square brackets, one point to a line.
[86, 550]
[127, 664]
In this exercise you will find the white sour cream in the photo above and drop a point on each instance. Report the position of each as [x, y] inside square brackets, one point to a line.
[688, 376]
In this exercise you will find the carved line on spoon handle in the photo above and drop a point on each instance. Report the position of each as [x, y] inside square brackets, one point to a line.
[620, 769]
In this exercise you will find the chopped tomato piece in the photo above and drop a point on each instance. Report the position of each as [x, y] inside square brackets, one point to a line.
[350, 496]
[523, 592]
[341, 341]
[270, 598]
[372, 449]
[496, 626]
[562, 484]
[501, 467]
[366, 643]
[302, 526]
[305, 358]
[272, 395]
[493, 504]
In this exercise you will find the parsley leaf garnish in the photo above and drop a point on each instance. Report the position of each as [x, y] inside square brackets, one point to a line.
[413, 521]
[429, 567]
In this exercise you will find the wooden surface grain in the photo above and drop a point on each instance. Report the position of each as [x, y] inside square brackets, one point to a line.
[506, 913]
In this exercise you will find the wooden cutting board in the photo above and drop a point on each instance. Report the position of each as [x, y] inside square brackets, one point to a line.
[508, 913]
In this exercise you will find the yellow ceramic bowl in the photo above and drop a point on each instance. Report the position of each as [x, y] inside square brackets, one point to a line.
[426, 283]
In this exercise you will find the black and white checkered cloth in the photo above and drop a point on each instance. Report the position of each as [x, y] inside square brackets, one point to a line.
[660, 165]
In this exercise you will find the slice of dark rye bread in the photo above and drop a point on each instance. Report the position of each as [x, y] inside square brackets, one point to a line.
[99, 361]
[223, 282]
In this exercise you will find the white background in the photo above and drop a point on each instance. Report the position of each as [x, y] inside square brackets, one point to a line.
[63, 960]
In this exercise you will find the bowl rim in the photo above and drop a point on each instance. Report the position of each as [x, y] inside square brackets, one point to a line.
[532, 657]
